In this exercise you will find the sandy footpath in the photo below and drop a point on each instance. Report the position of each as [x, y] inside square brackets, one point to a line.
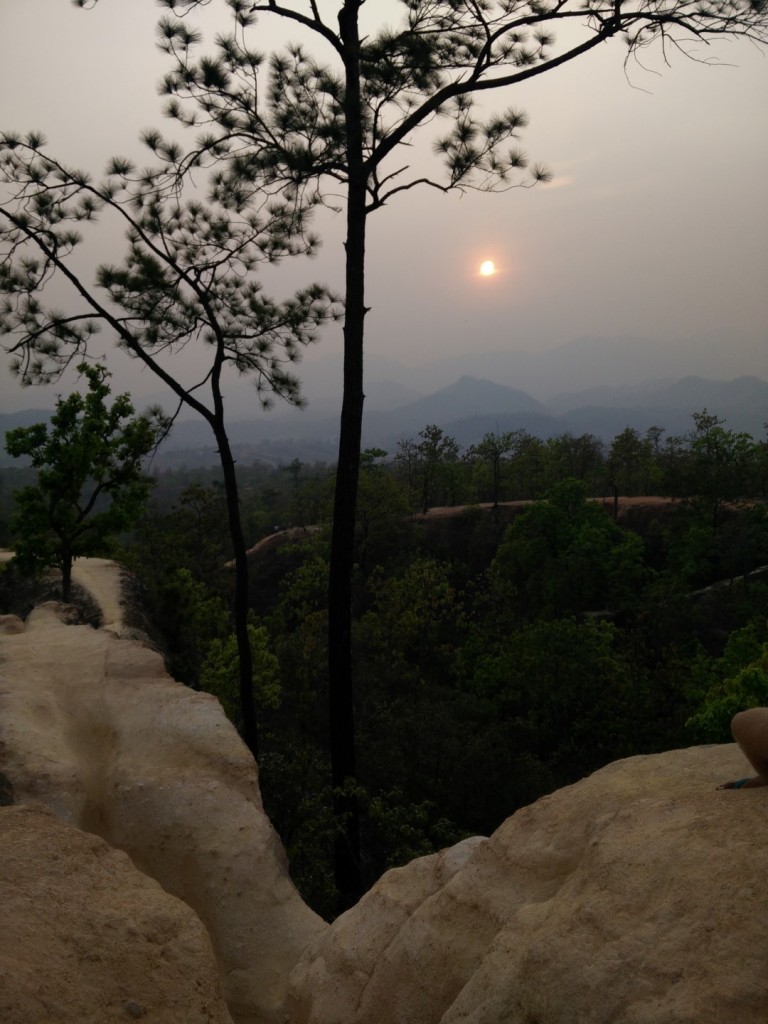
[101, 577]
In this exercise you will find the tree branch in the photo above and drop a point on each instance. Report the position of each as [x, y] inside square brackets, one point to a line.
[315, 24]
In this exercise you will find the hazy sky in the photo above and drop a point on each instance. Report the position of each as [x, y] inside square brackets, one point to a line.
[656, 223]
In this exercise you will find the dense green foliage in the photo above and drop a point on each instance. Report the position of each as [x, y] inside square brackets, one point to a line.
[500, 650]
[90, 480]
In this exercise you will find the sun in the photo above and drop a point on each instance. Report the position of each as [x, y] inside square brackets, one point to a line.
[487, 268]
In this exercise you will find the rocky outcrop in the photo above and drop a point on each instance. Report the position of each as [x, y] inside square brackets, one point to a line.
[636, 896]
[85, 938]
[93, 728]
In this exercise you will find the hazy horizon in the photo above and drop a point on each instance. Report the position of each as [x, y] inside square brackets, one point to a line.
[653, 228]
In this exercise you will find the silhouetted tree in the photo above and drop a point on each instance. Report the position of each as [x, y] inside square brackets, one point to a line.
[578, 457]
[527, 465]
[187, 279]
[345, 121]
[493, 451]
[723, 463]
[635, 461]
[437, 453]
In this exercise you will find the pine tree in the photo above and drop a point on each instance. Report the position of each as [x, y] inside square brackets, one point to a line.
[187, 280]
[345, 121]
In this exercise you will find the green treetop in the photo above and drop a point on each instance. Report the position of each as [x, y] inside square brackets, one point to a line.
[90, 483]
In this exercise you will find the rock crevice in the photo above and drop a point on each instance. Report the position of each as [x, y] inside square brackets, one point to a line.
[93, 728]
[636, 896]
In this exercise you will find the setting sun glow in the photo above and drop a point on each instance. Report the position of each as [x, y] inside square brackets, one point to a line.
[488, 268]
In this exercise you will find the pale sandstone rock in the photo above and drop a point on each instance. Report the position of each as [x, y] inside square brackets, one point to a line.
[11, 624]
[636, 896]
[633, 897]
[85, 938]
[93, 728]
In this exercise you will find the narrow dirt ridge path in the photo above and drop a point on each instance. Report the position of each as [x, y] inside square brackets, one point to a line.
[102, 578]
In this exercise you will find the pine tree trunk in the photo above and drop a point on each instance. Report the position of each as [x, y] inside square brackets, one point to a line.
[340, 683]
[241, 601]
[66, 574]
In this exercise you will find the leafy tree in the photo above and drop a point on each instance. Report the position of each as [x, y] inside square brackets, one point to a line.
[631, 463]
[721, 464]
[294, 469]
[743, 542]
[738, 680]
[578, 457]
[407, 468]
[565, 556]
[761, 467]
[382, 508]
[298, 624]
[527, 466]
[192, 534]
[420, 734]
[493, 451]
[345, 122]
[578, 701]
[406, 830]
[219, 674]
[190, 616]
[182, 557]
[714, 533]
[409, 631]
[430, 462]
[187, 279]
[90, 480]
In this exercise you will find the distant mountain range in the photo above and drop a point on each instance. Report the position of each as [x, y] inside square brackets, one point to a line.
[467, 409]
[470, 408]
[589, 385]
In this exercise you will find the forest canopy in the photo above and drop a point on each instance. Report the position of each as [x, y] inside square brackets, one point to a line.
[541, 622]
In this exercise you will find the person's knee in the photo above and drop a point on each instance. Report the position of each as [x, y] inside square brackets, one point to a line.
[749, 724]
[740, 724]
[750, 730]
